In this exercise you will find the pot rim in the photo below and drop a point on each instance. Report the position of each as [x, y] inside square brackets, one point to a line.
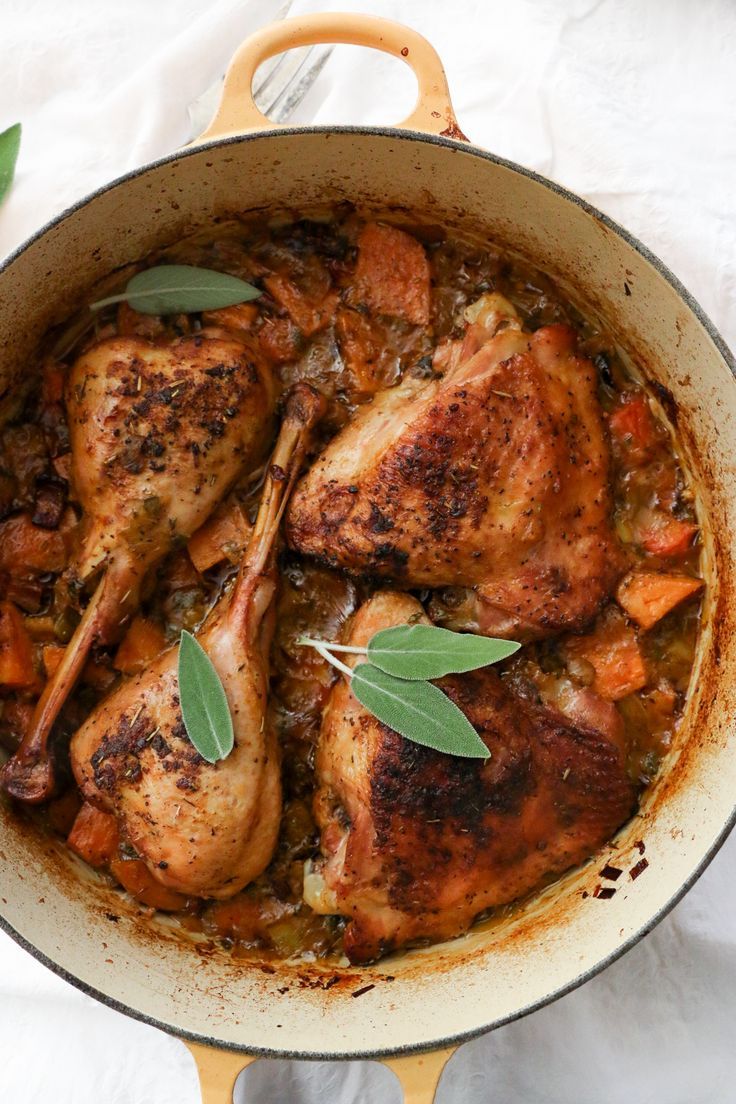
[690, 302]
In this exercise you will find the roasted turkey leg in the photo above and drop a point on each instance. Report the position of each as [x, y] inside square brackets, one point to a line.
[158, 435]
[203, 829]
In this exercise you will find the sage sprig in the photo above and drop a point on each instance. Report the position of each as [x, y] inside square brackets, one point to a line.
[393, 684]
[418, 711]
[429, 652]
[204, 707]
[9, 146]
[181, 289]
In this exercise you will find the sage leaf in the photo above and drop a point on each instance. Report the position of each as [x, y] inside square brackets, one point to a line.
[181, 289]
[418, 711]
[9, 146]
[204, 707]
[429, 652]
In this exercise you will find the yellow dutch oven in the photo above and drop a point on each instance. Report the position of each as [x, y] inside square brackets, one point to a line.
[414, 1008]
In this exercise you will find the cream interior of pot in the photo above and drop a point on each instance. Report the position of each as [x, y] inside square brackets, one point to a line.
[432, 994]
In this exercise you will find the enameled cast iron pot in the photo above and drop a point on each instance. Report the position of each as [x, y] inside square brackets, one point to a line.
[425, 1000]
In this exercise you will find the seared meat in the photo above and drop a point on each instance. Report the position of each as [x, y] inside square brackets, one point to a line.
[158, 433]
[203, 829]
[495, 478]
[416, 843]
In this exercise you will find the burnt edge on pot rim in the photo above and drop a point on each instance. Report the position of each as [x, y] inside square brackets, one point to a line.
[730, 362]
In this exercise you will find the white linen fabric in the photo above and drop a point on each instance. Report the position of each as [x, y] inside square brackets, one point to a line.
[630, 104]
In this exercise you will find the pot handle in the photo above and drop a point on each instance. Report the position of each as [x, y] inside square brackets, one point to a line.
[418, 1074]
[237, 112]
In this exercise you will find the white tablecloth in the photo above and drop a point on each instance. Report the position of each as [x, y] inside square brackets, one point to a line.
[631, 104]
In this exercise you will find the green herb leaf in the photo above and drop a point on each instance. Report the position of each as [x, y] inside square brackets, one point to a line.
[181, 289]
[418, 711]
[429, 652]
[9, 146]
[204, 707]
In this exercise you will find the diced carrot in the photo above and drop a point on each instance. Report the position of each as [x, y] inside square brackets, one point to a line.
[134, 875]
[52, 657]
[26, 547]
[613, 651]
[42, 629]
[223, 536]
[664, 535]
[363, 348]
[240, 317]
[647, 596]
[53, 378]
[62, 811]
[633, 423]
[94, 836]
[308, 315]
[245, 916]
[16, 651]
[392, 273]
[238, 918]
[143, 641]
[280, 340]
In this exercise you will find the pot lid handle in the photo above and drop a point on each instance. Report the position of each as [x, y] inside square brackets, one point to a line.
[238, 114]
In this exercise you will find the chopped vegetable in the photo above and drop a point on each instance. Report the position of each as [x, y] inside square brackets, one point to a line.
[134, 875]
[280, 340]
[240, 317]
[633, 423]
[94, 836]
[52, 657]
[223, 536]
[365, 351]
[613, 651]
[143, 641]
[244, 917]
[25, 547]
[16, 651]
[664, 535]
[308, 316]
[392, 273]
[647, 596]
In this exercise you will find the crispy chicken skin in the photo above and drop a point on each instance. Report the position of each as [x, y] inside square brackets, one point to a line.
[495, 477]
[204, 829]
[416, 843]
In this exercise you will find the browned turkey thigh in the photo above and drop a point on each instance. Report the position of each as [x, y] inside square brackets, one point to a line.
[158, 433]
[417, 843]
[495, 477]
[203, 829]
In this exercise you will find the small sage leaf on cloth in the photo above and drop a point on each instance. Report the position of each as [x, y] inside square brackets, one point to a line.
[429, 652]
[9, 146]
[204, 707]
[181, 289]
[418, 711]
